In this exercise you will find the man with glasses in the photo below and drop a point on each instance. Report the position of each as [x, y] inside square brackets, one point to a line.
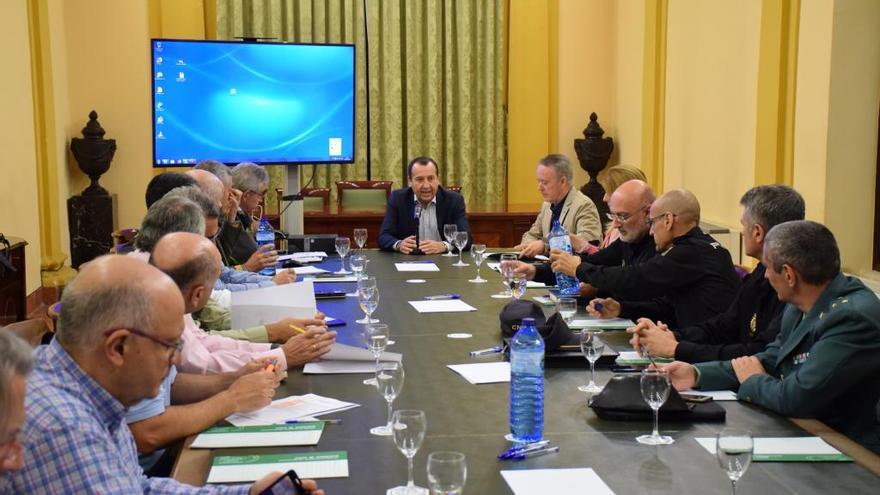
[690, 280]
[562, 203]
[120, 323]
[15, 364]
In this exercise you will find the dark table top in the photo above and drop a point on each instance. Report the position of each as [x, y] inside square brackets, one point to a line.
[473, 419]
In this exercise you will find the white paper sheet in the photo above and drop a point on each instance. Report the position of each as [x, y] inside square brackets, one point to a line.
[479, 373]
[543, 300]
[267, 305]
[339, 368]
[604, 323]
[494, 265]
[309, 270]
[784, 448]
[340, 278]
[442, 306]
[714, 394]
[293, 407]
[541, 257]
[576, 481]
[235, 469]
[417, 266]
[304, 255]
[531, 284]
[343, 352]
[223, 437]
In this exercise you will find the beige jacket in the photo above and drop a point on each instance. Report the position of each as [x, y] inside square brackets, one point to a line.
[579, 216]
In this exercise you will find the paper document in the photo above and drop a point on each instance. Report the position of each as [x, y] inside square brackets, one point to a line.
[417, 266]
[348, 359]
[575, 481]
[714, 394]
[787, 449]
[339, 368]
[340, 278]
[267, 305]
[342, 352]
[320, 255]
[243, 468]
[442, 306]
[309, 270]
[603, 323]
[223, 437]
[543, 300]
[479, 373]
[632, 358]
[288, 408]
[531, 284]
[541, 257]
[494, 265]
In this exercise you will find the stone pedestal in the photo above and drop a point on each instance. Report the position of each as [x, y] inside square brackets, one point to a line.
[593, 153]
[90, 220]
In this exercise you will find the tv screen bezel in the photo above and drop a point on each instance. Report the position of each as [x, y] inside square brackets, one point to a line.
[248, 42]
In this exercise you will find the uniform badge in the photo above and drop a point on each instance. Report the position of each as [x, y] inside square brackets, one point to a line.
[753, 323]
[800, 358]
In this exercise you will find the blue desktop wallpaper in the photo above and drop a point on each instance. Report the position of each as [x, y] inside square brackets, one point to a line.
[258, 102]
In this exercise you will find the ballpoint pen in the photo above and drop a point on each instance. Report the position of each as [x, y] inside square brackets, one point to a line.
[491, 350]
[535, 453]
[441, 297]
[327, 421]
[507, 454]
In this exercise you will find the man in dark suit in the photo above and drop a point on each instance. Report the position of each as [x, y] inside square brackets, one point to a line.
[423, 206]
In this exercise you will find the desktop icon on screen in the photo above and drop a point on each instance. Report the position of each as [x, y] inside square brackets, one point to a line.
[159, 60]
[181, 77]
[335, 146]
[160, 107]
[160, 120]
[160, 135]
[160, 76]
[159, 90]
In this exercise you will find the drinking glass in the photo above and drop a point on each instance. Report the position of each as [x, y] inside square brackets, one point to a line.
[655, 390]
[461, 239]
[389, 379]
[592, 347]
[409, 430]
[478, 252]
[565, 306]
[368, 299]
[505, 266]
[358, 263]
[376, 337]
[447, 473]
[343, 244]
[449, 231]
[734, 449]
[360, 237]
[518, 285]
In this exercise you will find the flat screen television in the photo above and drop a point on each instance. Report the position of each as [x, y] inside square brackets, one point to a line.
[267, 103]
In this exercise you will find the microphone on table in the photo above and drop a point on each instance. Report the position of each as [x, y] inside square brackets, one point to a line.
[417, 215]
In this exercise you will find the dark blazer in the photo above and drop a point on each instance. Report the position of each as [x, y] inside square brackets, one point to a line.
[399, 222]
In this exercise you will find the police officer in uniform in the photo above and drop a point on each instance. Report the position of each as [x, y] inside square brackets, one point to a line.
[752, 321]
[823, 364]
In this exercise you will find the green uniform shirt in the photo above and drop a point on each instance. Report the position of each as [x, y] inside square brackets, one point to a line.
[215, 320]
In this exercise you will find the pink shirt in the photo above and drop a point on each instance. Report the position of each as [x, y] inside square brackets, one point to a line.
[208, 354]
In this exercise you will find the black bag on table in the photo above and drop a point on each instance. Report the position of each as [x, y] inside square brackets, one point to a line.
[621, 400]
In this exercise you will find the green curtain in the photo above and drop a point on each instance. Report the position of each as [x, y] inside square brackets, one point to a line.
[436, 83]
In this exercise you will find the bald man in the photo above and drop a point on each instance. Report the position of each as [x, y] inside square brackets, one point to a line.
[691, 280]
[193, 262]
[118, 334]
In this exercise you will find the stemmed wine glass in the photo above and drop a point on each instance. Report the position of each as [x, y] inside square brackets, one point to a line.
[343, 244]
[592, 347]
[360, 237]
[518, 285]
[655, 390]
[376, 337]
[505, 266]
[734, 449]
[565, 306]
[368, 299]
[478, 251]
[389, 379]
[358, 263]
[447, 473]
[409, 430]
[461, 239]
[449, 231]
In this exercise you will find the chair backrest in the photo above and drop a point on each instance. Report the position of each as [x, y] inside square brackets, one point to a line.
[362, 195]
[453, 188]
[122, 240]
[316, 199]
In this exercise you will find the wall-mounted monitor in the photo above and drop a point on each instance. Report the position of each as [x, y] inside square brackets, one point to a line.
[267, 103]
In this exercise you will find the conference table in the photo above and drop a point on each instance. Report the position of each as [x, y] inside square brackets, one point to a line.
[473, 419]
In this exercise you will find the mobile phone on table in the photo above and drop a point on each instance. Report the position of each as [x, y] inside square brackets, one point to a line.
[287, 484]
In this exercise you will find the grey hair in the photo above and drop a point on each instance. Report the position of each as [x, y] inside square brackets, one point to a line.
[248, 176]
[195, 270]
[560, 164]
[89, 312]
[808, 247]
[16, 359]
[770, 205]
[169, 214]
[216, 168]
[198, 196]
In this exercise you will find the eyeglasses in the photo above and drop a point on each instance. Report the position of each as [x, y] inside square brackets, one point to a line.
[262, 195]
[651, 220]
[623, 217]
[175, 347]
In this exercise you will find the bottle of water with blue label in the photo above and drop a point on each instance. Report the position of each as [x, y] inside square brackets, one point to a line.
[558, 239]
[265, 235]
[526, 384]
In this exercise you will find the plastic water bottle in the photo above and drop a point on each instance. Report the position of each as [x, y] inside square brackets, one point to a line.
[558, 239]
[527, 383]
[265, 235]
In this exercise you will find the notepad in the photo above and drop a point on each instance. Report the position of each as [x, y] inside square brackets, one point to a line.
[309, 270]
[632, 358]
[417, 266]
[244, 468]
[787, 449]
[288, 408]
[576, 481]
[603, 323]
[479, 373]
[344, 358]
[442, 306]
[341, 278]
[222, 437]
[269, 304]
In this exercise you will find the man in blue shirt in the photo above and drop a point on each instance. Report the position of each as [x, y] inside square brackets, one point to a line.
[118, 334]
